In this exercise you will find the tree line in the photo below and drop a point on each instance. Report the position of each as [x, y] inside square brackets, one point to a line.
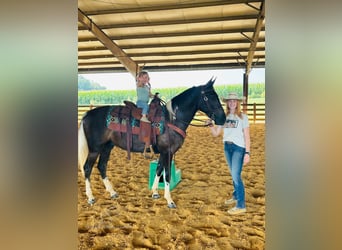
[85, 84]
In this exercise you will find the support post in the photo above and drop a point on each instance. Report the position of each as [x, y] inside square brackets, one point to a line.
[245, 92]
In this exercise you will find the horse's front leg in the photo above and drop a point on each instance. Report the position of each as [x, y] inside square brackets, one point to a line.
[167, 178]
[160, 168]
[164, 166]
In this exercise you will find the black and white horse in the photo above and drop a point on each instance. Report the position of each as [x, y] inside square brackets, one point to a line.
[95, 139]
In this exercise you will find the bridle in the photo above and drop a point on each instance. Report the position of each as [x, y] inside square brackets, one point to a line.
[204, 99]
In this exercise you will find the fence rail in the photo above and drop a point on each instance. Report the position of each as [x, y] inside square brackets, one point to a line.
[255, 111]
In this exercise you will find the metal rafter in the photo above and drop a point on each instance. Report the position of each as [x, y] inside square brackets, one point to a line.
[174, 34]
[161, 44]
[178, 67]
[173, 22]
[168, 45]
[192, 4]
[175, 53]
[126, 61]
[258, 28]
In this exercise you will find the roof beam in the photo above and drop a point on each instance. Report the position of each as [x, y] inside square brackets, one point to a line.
[169, 45]
[174, 34]
[178, 53]
[191, 4]
[167, 68]
[217, 58]
[178, 21]
[255, 38]
[126, 61]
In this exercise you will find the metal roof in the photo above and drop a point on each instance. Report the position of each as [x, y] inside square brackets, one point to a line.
[159, 35]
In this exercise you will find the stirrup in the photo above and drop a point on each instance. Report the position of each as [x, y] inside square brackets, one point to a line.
[151, 154]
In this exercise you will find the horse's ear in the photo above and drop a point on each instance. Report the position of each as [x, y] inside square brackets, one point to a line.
[210, 83]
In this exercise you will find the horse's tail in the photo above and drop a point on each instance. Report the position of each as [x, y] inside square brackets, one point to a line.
[83, 149]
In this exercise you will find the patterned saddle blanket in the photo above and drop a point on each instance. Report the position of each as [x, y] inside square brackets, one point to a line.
[126, 119]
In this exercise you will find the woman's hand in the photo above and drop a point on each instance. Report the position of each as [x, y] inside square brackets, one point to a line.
[246, 159]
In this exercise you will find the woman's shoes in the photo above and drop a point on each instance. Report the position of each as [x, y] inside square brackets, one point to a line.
[236, 210]
[230, 201]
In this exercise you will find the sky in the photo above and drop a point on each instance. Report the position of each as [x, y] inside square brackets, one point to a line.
[167, 79]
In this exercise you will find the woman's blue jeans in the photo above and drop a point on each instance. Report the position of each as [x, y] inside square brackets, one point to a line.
[143, 105]
[234, 155]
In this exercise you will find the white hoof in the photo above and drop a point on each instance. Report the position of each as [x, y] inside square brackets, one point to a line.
[171, 205]
[155, 196]
[91, 201]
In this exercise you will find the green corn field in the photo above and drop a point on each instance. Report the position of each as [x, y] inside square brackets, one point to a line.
[256, 93]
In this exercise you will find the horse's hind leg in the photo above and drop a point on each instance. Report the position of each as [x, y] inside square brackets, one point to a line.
[102, 166]
[88, 166]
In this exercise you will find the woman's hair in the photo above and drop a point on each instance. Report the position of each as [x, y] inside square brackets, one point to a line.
[238, 111]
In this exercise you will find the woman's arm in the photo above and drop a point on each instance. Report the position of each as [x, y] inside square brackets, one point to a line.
[247, 139]
[215, 130]
[247, 144]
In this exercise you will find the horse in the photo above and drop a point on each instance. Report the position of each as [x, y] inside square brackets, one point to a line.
[95, 139]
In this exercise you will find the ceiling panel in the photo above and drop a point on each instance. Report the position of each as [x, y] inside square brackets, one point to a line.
[131, 35]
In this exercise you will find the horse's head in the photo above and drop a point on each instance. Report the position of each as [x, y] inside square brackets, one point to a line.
[210, 103]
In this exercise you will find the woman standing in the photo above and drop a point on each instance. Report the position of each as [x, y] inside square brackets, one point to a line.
[236, 142]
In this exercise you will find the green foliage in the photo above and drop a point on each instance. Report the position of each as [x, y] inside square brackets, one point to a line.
[255, 90]
[85, 84]
[105, 96]
[256, 94]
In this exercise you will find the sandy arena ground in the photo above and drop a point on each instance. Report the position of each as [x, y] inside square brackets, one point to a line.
[200, 221]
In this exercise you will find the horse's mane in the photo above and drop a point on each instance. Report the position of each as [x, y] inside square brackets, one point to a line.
[193, 92]
[185, 96]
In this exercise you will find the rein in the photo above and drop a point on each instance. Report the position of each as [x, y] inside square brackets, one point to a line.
[199, 125]
[205, 99]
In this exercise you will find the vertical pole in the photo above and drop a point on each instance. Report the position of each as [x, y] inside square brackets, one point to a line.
[254, 112]
[245, 92]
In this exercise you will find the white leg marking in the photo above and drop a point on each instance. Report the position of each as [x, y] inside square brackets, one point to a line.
[83, 150]
[109, 187]
[167, 195]
[89, 193]
[155, 184]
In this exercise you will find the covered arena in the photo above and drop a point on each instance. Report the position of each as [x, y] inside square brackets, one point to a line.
[127, 36]
[200, 221]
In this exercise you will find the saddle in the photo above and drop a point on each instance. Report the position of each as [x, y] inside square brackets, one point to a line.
[126, 119]
[135, 111]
